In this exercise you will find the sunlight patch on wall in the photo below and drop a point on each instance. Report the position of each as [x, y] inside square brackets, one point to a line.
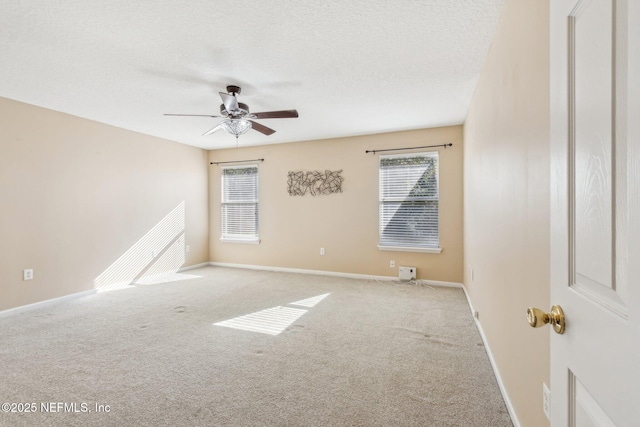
[166, 264]
[165, 239]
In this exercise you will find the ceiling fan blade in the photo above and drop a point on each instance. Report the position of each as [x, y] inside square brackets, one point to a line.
[230, 102]
[284, 114]
[191, 115]
[213, 129]
[261, 128]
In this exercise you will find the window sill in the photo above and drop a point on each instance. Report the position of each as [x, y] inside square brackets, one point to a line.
[239, 240]
[409, 249]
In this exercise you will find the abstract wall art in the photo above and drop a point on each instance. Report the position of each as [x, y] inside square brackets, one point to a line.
[314, 182]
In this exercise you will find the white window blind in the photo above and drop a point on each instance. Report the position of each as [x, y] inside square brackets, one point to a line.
[409, 201]
[240, 203]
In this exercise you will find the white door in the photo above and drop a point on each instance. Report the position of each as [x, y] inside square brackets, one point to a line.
[595, 211]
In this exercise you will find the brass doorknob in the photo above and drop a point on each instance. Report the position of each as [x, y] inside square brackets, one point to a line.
[539, 318]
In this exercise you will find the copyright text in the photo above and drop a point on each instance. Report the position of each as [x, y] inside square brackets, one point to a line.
[54, 407]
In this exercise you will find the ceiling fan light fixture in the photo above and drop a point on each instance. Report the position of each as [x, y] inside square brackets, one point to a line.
[236, 127]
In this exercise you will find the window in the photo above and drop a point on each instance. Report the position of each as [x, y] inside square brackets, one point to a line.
[409, 202]
[240, 204]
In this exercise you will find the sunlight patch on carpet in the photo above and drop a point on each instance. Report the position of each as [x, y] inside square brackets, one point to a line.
[271, 321]
[165, 278]
[310, 302]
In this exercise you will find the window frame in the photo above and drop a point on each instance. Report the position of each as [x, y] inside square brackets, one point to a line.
[382, 200]
[251, 238]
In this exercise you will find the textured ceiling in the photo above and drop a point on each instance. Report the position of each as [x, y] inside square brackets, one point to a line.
[349, 67]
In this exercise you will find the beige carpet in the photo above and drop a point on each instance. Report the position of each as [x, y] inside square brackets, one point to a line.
[366, 354]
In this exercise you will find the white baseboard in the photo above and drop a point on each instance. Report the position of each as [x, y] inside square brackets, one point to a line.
[193, 267]
[45, 303]
[503, 390]
[331, 273]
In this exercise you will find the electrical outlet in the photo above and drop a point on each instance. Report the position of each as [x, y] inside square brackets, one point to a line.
[187, 248]
[321, 251]
[392, 264]
[472, 274]
[27, 274]
[546, 399]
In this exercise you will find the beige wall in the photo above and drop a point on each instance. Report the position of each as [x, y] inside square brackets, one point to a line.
[506, 188]
[294, 228]
[77, 195]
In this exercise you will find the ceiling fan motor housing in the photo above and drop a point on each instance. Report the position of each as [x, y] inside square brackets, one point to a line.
[233, 90]
[243, 110]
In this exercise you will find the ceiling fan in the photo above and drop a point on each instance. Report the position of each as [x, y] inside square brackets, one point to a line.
[238, 119]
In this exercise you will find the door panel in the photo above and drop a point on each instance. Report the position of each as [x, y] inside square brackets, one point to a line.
[584, 410]
[590, 46]
[595, 191]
